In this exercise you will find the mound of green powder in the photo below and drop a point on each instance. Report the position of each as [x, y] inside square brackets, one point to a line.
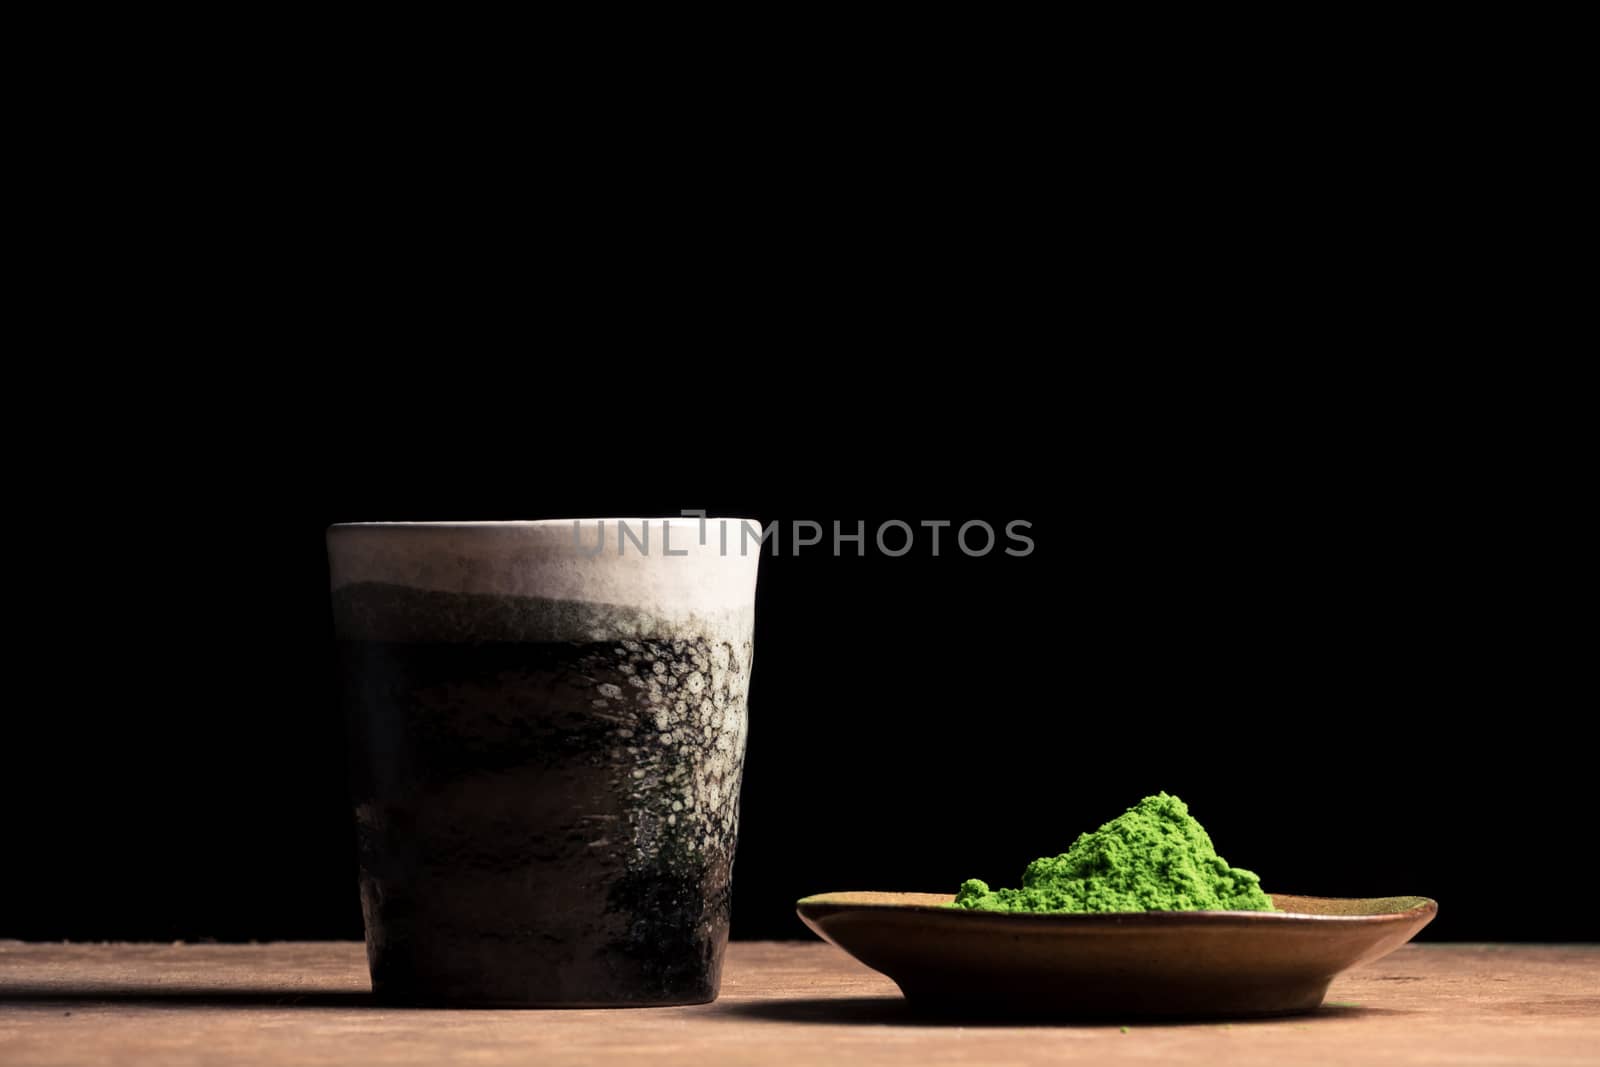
[1153, 857]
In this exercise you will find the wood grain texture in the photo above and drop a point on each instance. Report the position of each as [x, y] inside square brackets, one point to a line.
[781, 1003]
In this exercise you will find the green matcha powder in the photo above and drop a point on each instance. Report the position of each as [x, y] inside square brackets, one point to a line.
[1153, 857]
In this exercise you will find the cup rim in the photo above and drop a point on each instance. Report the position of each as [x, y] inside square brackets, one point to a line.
[676, 520]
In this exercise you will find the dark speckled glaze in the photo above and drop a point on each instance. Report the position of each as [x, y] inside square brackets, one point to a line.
[541, 822]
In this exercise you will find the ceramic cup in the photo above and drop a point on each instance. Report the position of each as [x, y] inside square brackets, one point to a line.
[547, 725]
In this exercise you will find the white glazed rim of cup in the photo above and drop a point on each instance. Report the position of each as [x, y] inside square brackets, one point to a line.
[676, 520]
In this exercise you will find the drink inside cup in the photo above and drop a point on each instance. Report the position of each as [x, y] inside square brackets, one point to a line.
[547, 747]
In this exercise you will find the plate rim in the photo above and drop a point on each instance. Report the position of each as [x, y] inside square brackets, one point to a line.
[820, 901]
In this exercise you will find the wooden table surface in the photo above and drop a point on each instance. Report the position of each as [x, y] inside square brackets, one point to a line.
[786, 1003]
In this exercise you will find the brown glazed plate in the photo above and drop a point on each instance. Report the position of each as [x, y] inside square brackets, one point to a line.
[1153, 964]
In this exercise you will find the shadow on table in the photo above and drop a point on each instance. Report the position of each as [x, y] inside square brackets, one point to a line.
[184, 997]
[871, 1011]
[897, 1011]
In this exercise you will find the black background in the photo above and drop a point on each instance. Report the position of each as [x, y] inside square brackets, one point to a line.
[1328, 629]
[1269, 389]
[1278, 364]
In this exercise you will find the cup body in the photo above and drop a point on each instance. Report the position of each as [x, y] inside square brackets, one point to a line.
[547, 724]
